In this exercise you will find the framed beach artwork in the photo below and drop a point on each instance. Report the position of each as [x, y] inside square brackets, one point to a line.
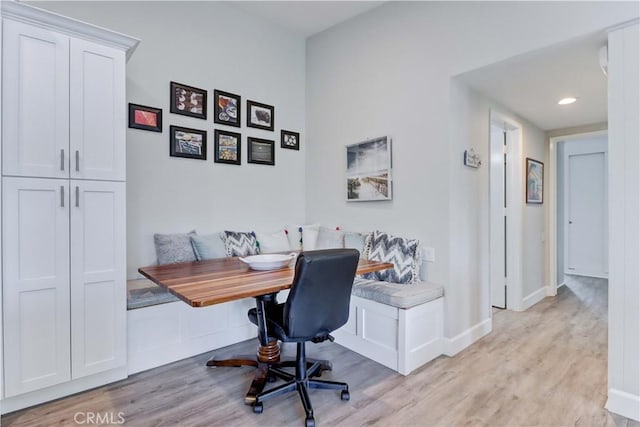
[368, 176]
[535, 181]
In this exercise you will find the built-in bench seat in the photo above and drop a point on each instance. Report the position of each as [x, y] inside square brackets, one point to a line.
[397, 325]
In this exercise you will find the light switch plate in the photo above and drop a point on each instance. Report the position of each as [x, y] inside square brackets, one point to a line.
[428, 254]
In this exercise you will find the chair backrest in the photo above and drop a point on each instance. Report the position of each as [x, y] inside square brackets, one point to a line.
[318, 302]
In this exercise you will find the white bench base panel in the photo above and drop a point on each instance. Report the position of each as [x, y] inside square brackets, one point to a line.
[401, 339]
[165, 333]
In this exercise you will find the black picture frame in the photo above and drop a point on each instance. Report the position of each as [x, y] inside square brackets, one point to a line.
[534, 181]
[224, 151]
[180, 144]
[188, 100]
[225, 105]
[260, 116]
[289, 139]
[145, 118]
[261, 151]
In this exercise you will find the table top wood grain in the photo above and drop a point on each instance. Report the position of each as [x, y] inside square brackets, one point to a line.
[204, 283]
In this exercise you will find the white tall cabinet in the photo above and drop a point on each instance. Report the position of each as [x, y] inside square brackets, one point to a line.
[63, 205]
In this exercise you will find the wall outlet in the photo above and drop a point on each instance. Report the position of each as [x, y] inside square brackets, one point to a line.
[428, 254]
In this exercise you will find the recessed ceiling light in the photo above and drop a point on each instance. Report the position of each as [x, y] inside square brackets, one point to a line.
[567, 101]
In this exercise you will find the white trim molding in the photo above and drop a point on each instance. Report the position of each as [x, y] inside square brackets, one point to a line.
[622, 403]
[534, 297]
[455, 345]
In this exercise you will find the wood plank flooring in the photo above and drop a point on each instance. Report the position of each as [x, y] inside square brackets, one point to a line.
[543, 367]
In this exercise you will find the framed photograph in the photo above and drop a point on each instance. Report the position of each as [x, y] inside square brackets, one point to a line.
[260, 115]
[369, 170]
[261, 151]
[226, 108]
[189, 143]
[145, 118]
[535, 181]
[289, 139]
[227, 147]
[188, 101]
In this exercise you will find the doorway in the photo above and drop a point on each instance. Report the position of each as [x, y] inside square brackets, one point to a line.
[578, 213]
[505, 195]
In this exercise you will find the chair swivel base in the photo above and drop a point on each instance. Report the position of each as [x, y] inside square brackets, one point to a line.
[302, 386]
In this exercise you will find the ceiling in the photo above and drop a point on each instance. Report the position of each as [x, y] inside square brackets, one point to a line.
[306, 18]
[531, 85]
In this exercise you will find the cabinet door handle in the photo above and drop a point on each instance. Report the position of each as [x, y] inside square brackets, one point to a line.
[62, 159]
[77, 196]
[62, 196]
[77, 161]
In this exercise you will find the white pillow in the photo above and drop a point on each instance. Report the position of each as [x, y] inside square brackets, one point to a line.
[294, 235]
[329, 238]
[310, 236]
[270, 242]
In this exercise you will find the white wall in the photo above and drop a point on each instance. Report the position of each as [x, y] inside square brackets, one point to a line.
[624, 226]
[208, 45]
[388, 72]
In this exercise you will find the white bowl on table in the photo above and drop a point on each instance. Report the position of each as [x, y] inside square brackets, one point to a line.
[268, 261]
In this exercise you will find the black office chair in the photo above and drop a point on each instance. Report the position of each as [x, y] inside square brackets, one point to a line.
[318, 304]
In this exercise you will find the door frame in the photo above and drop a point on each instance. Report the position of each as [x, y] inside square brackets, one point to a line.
[552, 279]
[514, 211]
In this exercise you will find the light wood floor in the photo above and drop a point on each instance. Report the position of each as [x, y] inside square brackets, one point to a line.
[546, 366]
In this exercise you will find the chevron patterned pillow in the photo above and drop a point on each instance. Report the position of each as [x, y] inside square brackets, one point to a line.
[403, 253]
[238, 243]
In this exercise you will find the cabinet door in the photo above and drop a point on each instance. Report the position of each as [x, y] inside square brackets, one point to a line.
[98, 276]
[35, 101]
[35, 252]
[98, 117]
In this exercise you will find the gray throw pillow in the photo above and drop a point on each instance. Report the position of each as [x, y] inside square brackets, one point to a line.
[239, 243]
[208, 247]
[174, 248]
[403, 253]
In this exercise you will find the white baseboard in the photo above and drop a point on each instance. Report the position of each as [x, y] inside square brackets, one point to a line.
[455, 345]
[623, 403]
[534, 298]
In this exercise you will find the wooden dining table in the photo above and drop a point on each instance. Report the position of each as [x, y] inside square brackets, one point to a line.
[209, 282]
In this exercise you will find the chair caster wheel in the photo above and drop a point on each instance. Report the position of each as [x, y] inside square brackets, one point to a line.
[345, 395]
[257, 408]
[309, 422]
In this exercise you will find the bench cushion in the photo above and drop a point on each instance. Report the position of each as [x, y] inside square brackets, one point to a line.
[395, 294]
[144, 297]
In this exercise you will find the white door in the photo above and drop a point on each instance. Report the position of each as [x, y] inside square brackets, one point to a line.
[498, 218]
[98, 276]
[35, 253]
[586, 201]
[98, 116]
[35, 101]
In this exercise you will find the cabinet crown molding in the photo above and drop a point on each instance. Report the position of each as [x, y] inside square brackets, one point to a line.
[70, 26]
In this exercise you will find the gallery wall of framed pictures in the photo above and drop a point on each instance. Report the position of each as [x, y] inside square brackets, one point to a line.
[191, 143]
